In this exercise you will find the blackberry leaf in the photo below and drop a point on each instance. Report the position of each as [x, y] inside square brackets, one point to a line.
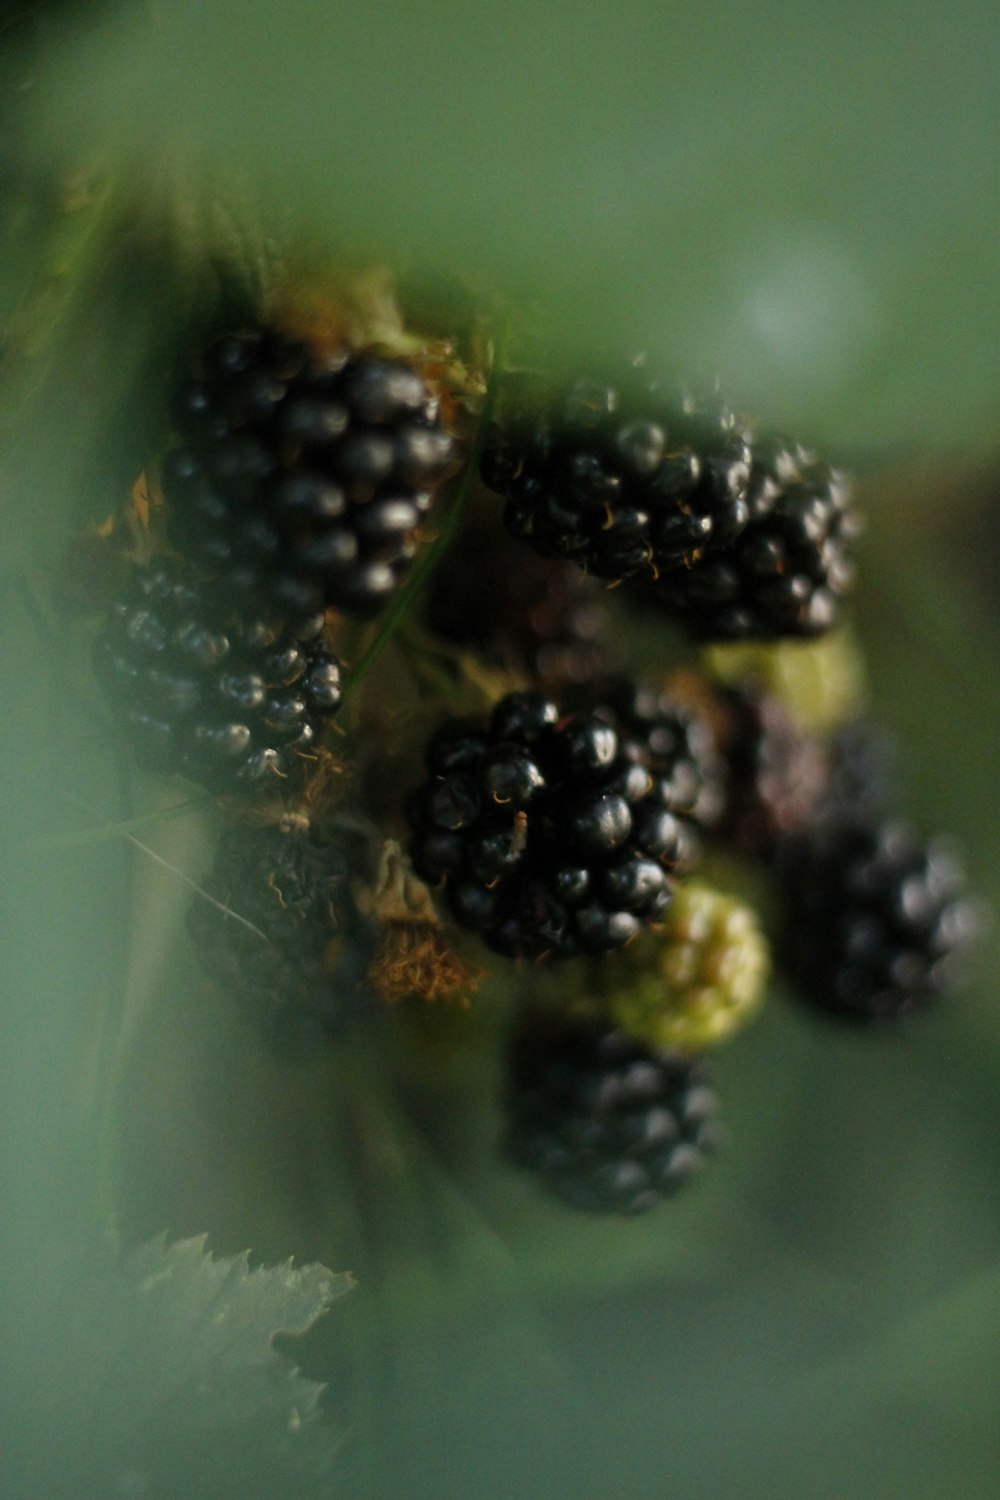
[154, 1373]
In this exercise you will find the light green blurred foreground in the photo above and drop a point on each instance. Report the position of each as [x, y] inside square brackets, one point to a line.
[802, 200]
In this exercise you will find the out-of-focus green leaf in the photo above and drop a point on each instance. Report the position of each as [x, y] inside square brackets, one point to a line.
[803, 201]
[798, 198]
[155, 1375]
[910, 1413]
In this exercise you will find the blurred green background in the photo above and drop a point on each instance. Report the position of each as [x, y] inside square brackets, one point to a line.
[801, 199]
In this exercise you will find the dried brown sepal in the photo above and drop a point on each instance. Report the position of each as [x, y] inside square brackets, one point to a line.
[329, 315]
[416, 959]
[332, 312]
[143, 518]
[414, 955]
[326, 783]
[96, 566]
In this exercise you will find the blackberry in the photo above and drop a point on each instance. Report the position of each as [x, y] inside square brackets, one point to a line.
[303, 478]
[777, 775]
[228, 701]
[519, 611]
[609, 1125]
[619, 478]
[699, 980]
[677, 746]
[545, 834]
[875, 919]
[280, 932]
[787, 573]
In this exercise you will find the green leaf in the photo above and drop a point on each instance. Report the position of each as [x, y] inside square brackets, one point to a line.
[155, 1374]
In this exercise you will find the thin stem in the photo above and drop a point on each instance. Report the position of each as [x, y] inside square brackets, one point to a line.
[165, 864]
[226, 911]
[123, 828]
[433, 554]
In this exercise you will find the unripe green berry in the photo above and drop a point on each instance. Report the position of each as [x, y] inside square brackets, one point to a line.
[820, 682]
[698, 979]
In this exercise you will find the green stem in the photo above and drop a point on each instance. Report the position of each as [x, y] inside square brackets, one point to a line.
[433, 554]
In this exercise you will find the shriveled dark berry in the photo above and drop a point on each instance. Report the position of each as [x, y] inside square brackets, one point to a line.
[787, 574]
[609, 1125]
[300, 479]
[228, 701]
[622, 477]
[274, 925]
[876, 919]
[546, 834]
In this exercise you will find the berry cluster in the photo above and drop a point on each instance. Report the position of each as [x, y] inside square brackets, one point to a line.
[226, 699]
[608, 1124]
[621, 479]
[302, 478]
[876, 918]
[676, 745]
[557, 835]
[787, 572]
[560, 823]
[733, 535]
[296, 486]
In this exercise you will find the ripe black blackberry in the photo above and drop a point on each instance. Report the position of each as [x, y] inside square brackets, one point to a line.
[789, 570]
[876, 920]
[519, 611]
[546, 835]
[608, 1124]
[619, 477]
[280, 932]
[302, 479]
[229, 701]
[677, 746]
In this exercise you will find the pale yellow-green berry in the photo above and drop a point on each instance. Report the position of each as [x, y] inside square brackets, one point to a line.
[695, 982]
[820, 682]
